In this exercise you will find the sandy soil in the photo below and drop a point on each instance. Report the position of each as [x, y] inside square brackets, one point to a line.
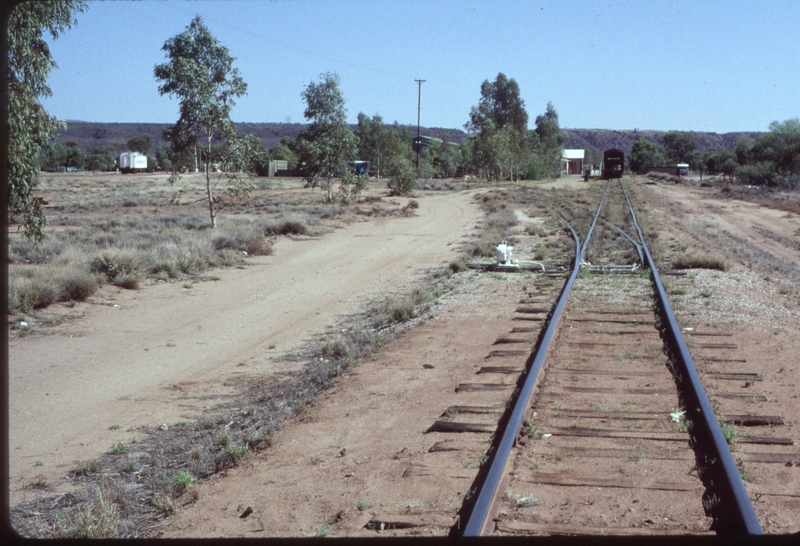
[163, 353]
[347, 459]
[360, 444]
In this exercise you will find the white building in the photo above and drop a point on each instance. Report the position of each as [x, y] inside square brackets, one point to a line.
[572, 161]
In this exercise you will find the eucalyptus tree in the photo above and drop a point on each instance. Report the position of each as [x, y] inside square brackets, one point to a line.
[30, 128]
[141, 143]
[448, 155]
[199, 73]
[501, 123]
[645, 155]
[380, 145]
[549, 140]
[370, 133]
[679, 146]
[328, 145]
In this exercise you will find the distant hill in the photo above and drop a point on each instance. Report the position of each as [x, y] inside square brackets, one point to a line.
[603, 139]
[88, 134]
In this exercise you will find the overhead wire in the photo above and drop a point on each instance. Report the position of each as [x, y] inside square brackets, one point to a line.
[281, 43]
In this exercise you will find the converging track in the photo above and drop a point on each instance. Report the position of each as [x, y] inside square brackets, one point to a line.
[598, 386]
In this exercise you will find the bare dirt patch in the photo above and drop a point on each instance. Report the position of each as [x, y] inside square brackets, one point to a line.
[124, 359]
[343, 462]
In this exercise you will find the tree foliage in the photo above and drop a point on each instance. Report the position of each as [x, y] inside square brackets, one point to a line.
[402, 177]
[500, 106]
[284, 151]
[679, 146]
[200, 74]
[163, 159]
[501, 123]
[449, 155]
[328, 145]
[30, 127]
[99, 158]
[549, 140]
[773, 159]
[141, 143]
[645, 155]
[66, 155]
[502, 146]
[380, 145]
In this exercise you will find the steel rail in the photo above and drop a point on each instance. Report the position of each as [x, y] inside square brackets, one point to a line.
[483, 504]
[745, 516]
[637, 245]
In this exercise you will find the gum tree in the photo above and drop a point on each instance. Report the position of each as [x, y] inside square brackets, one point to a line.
[501, 123]
[328, 145]
[679, 146]
[30, 127]
[549, 140]
[141, 143]
[645, 155]
[199, 73]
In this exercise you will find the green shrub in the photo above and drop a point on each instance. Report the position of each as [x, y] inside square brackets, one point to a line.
[231, 456]
[762, 173]
[402, 178]
[182, 480]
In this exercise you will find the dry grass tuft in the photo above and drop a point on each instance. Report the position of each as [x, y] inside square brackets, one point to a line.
[35, 287]
[696, 260]
[290, 226]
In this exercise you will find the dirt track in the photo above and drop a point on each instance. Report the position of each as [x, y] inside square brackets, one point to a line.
[308, 483]
[162, 354]
[346, 459]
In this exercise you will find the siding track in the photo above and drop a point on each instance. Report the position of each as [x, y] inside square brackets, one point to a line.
[609, 380]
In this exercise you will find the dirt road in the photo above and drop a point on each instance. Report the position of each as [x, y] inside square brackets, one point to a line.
[361, 452]
[161, 354]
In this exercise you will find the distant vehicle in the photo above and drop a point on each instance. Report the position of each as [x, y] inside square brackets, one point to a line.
[613, 163]
[680, 169]
[359, 167]
[132, 161]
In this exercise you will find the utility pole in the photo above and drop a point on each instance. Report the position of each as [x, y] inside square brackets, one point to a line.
[419, 96]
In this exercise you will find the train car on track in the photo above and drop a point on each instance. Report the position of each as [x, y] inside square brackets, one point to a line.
[613, 163]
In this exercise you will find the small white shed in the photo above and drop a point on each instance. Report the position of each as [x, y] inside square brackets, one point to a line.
[572, 161]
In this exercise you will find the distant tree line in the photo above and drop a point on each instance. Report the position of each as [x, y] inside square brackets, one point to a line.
[772, 160]
[199, 73]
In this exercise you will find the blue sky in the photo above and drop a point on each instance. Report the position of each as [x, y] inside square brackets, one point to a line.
[663, 65]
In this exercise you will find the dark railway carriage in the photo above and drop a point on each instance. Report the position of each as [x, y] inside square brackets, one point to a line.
[613, 163]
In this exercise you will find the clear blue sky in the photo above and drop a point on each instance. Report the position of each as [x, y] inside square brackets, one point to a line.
[707, 65]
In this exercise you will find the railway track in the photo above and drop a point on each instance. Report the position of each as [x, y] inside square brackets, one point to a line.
[605, 431]
[587, 415]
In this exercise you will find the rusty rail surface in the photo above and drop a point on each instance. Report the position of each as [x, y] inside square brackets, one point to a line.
[743, 514]
[477, 519]
[743, 519]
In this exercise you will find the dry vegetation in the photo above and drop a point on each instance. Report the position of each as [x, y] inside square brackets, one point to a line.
[148, 235]
[138, 483]
[126, 230]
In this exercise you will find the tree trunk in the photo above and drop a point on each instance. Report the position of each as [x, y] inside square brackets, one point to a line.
[209, 194]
